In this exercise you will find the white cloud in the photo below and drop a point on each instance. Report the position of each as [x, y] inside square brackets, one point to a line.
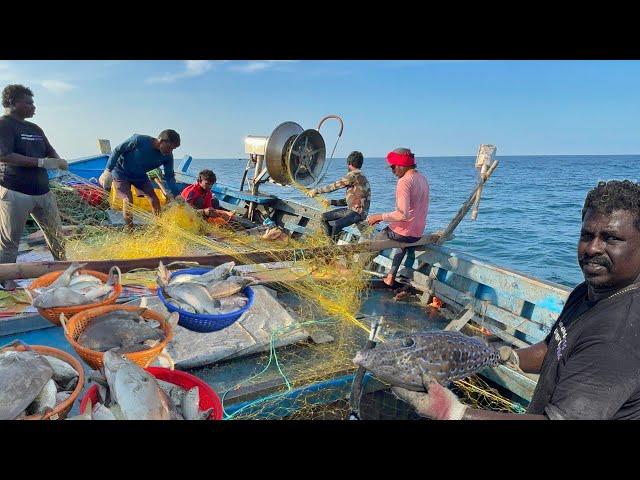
[192, 68]
[57, 86]
[256, 66]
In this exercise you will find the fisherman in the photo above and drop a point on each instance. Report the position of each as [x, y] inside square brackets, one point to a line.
[199, 194]
[131, 160]
[407, 222]
[589, 363]
[25, 157]
[356, 202]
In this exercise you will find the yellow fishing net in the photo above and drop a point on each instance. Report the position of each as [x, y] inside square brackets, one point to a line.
[324, 292]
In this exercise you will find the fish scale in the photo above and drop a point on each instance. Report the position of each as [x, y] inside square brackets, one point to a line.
[439, 356]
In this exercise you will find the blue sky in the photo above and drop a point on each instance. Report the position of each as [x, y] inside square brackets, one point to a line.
[436, 108]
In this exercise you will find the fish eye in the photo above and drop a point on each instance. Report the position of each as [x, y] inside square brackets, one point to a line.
[408, 342]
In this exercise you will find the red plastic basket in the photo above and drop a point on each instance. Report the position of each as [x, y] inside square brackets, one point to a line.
[208, 397]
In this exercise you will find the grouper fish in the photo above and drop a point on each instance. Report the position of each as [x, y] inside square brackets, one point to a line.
[413, 361]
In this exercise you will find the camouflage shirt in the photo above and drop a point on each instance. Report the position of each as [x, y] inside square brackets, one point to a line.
[358, 195]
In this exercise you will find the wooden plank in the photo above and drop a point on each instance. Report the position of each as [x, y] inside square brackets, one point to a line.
[457, 323]
[512, 380]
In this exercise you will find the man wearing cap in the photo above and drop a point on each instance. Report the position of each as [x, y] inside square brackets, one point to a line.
[131, 160]
[408, 220]
[356, 202]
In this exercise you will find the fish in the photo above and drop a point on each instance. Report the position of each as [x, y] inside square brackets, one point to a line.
[190, 407]
[234, 301]
[182, 305]
[135, 391]
[413, 361]
[118, 331]
[64, 279]
[228, 287]
[62, 396]
[66, 296]
[83, 278]
[100, 412]
[46, 399]
[193, 294]
[63, 373]
[175, 392]
[23, 375]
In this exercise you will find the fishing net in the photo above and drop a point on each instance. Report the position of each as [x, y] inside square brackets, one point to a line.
[321, 287]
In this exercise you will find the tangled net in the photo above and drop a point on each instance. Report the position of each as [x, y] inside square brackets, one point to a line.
[325, 289]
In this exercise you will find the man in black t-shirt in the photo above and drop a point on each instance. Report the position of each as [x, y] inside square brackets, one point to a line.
[25, 157]
[589, 364]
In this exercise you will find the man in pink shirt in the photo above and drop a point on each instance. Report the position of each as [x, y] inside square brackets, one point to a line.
[407, 222]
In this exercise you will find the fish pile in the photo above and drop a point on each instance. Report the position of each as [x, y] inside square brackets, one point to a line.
[73, 288]
[33, 384]
[213, 293]
[413, 361]
[124, 330]
[128, 392]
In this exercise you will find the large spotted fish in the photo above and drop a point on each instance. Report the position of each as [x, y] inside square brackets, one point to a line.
[414, 360]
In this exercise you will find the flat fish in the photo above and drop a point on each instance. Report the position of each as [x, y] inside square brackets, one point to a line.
[117, 332]
[22, 377]
[414, 360]
[67, 296]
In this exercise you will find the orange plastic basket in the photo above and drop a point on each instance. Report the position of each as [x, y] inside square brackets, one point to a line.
[62, 409]
[53, 314]
[76, 325]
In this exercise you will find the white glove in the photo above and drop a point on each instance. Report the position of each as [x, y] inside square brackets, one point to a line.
[53, 163]
[439, 404]
[105, 180]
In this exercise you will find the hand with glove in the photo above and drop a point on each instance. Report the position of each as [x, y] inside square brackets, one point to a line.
[105, 180]
[439, 403]
[312, 193]
[509, 357]
[53, 163]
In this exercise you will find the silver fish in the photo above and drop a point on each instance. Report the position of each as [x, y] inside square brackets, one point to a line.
[134, 390]
[234, 301]
[226, 288]
[414, 360]
[46, 399]
[100, 412]
[190, 406]
[175, 392]
[66, 296]
[63, 373]
[193, 294]
[83, 278]
[22, 377]
[64, 279]
[182, 306]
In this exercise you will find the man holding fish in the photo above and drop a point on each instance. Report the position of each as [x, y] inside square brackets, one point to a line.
[589, 363]
[25, 157]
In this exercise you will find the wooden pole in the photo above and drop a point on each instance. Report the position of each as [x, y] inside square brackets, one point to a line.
[16, 271]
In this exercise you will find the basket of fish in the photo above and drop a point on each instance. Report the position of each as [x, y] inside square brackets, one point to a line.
[125, 391]
[207, 300]
[38, 382]
[139, 333]
[73, 291]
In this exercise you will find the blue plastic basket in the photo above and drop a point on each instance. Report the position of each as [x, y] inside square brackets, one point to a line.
[202, 322]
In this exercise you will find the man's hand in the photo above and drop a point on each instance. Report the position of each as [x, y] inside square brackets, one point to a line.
[509, 357]
[105, 180]
[53, 163]
[373, 219]
[312, 193]
[439, 404]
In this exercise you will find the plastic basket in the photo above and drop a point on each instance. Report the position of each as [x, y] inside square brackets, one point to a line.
[76, 325]
[203, 322]
[62, 409]
[208, 397]
[53, 314]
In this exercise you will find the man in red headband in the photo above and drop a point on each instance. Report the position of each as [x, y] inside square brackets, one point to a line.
[408, 220]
